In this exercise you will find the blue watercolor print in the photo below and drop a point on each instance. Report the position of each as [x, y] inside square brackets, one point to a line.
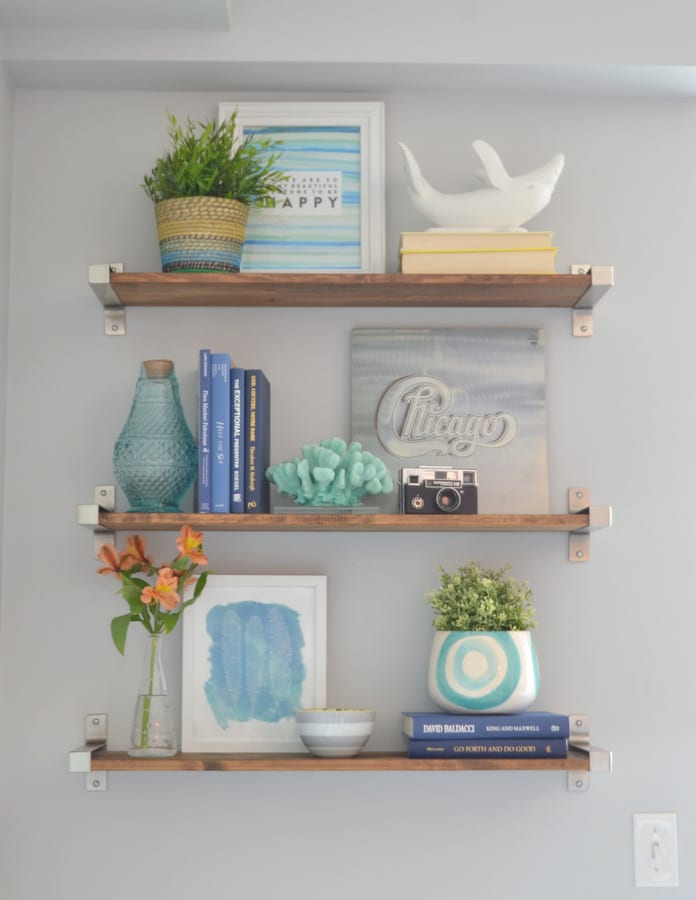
[256, 669]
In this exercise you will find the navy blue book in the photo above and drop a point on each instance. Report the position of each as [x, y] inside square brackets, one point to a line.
[500, 748]
[443, 725]
[257, 446]
[220, 432]
[204, 431]
[237, 381]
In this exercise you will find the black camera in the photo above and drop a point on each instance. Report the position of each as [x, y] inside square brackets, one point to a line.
[430, 491]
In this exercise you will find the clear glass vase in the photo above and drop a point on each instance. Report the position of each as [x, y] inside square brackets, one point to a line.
[156, 457]
[153, 726]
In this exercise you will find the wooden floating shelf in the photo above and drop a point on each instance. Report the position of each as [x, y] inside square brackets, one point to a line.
[276, 290]
[570, 522]
[118, 760]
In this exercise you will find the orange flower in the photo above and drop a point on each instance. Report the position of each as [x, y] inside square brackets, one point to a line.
[190, 543]
[108, 555]
[164, 590]
[134, 554]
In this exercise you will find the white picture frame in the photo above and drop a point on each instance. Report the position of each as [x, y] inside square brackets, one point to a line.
[332, 230]
[254, 651]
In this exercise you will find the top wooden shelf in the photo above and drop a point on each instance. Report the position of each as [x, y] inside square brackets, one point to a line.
[117, 289]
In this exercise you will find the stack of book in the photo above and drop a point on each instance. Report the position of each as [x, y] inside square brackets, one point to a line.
[477, 252]
[234, 434]
[527, 734]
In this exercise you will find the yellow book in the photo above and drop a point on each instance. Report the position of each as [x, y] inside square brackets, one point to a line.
[532, 261]
[475, 240]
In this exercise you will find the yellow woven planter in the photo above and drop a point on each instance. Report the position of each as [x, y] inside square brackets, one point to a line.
[201, 234]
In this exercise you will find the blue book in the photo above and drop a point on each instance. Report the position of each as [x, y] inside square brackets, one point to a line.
[500, 748]
[204, 431]
[237, 381]
[257, 445]
[220, 432]
[515, 725]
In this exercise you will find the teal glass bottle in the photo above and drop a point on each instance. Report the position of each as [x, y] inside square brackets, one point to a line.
[156, 457]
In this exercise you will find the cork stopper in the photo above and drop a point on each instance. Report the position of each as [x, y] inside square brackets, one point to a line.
[158, 368]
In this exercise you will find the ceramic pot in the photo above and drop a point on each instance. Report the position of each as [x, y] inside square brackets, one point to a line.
[483, 671]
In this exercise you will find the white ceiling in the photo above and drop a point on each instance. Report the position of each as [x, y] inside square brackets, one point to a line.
[382, 46]
[145, 14]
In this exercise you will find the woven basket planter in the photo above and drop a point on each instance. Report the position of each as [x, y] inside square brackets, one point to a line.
[201, 234]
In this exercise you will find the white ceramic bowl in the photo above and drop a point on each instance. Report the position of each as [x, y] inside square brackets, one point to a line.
[334, 731]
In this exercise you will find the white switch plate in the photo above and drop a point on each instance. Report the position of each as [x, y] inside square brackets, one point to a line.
[655, 850]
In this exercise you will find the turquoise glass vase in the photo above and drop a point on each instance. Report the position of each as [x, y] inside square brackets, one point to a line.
[156, 457]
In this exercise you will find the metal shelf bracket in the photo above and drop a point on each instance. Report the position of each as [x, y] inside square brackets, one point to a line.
[600, 517]
[114, 311]
[88, 514]
[80, 760]
[602, 280]
[600, 760]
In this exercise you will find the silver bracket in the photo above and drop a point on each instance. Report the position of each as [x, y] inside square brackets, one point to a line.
[80, 760]
[88, 514]
[99, 277]
[602, 279]
[599, 516]
[583, 324]
[599, 760]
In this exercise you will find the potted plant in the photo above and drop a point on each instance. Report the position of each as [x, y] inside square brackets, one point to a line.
[202, 189]
[483, 658]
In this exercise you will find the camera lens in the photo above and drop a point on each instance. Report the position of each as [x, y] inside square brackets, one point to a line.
[447, 499]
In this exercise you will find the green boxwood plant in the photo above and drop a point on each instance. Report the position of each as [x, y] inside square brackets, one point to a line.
[477, 599]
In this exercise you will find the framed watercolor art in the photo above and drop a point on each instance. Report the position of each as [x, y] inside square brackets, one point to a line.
[254, 651]
[330, 217]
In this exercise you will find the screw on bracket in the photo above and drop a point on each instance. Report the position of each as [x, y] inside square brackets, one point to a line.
[96, 781]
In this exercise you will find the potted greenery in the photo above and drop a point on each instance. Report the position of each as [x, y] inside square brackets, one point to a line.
[483, 658]
[202, 189]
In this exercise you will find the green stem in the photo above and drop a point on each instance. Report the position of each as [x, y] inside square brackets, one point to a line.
[145, 722]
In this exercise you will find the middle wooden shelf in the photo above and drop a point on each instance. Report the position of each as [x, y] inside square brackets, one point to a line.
[327, 521]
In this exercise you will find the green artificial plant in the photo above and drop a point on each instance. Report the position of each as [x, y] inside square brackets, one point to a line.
[478, 599]
[208, 159]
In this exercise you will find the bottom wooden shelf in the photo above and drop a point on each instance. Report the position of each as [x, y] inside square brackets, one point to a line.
[118, 760]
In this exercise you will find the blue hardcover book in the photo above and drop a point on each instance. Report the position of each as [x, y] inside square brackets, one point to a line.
[237, 381]
[443, 725]
[204, 431]
[500, 748]
[257, 446]
[220, 432]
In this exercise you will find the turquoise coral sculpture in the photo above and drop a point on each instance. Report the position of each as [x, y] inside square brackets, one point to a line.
[331, 473]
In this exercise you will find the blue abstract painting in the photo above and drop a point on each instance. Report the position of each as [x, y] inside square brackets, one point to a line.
[254, 651]
[256, 667]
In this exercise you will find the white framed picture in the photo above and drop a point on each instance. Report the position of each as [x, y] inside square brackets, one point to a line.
[330, 217]
[254, 651]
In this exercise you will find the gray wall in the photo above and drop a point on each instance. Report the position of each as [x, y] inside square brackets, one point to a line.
[614, 637]
[6, 105]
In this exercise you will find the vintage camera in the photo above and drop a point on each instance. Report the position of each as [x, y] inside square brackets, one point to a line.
[431, 491]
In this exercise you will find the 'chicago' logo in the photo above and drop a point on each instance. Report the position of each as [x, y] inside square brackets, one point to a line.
[413, 420]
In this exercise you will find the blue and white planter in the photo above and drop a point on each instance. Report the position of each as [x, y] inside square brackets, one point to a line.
[483, 671]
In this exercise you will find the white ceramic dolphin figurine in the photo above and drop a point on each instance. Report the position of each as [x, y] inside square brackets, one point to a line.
[506, 204]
